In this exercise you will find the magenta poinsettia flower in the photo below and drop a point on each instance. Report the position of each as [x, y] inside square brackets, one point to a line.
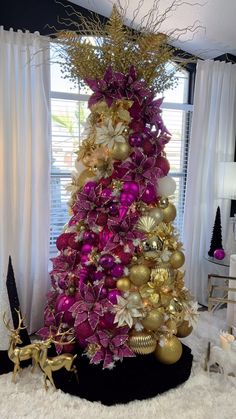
[111, 346]
[89, 205]
[109, 88]
[116, 85]
[141, 169]
[90, 305]
[151, 112]
[124, 234]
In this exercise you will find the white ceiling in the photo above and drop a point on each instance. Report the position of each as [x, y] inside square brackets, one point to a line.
[217, 19]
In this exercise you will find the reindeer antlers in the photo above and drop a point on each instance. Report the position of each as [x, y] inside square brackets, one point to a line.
[62, 334]
[20, 321]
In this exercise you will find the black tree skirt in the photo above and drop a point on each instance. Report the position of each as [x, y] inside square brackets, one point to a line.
[136, 378]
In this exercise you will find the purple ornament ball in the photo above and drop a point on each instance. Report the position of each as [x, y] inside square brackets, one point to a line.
[106, 193]
[118, 270]
[131, 187]
[86, 248]
[112, 296]
[107, 261]
[135, 140]
[64, 302]
[113, 210]
[149, 195]
[127, 198]
[90, 237]
[219, 254]
[89, 186]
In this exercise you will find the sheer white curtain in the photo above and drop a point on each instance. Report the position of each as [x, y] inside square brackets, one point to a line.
[24, 169]
[212, 141]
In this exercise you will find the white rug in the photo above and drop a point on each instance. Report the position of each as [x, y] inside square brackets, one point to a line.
[203, 396]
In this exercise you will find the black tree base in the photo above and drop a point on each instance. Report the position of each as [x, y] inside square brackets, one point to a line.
[136, 378]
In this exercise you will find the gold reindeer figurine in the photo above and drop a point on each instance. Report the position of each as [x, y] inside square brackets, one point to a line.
[50, 364]
[17, 354]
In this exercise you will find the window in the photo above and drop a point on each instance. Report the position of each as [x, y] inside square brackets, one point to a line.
[69, 113]
[177, 115]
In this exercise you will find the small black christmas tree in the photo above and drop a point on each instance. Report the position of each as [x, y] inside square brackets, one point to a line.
[216, 240]
[14, 303]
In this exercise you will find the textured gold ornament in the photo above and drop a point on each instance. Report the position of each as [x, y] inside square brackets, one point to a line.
[146, 224]
[165, 299]
[157, 214]
[170, 352]
[139, 274]
[163, 202]
[142, 343]
[153, 320]
[123, 284]
[184, 329]
[169, 213]
[177, 259]
[120, 151]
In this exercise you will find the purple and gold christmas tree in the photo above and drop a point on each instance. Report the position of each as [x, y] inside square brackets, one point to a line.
[116, 281]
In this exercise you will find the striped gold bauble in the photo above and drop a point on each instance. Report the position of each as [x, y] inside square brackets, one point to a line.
[142, 343]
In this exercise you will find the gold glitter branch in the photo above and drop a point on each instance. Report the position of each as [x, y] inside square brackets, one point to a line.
[90, 50]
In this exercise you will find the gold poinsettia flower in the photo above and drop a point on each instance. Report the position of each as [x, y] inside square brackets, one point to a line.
[108, 134]
[86, 148]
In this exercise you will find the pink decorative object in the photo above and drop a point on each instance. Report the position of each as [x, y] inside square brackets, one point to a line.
[106, 261]
[148, 147]
[112, 296]
[64, 302]
[149, 194]
[49, 318]
[124, 257]
[73, 242]
[219, 254]
[107, 321]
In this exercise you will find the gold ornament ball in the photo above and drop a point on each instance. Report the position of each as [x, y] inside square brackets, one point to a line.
[85, 176]
[170, 352]
[120, 151]
[87, 160]
[177, 259]
[142, 343]
[135, 298]
[153, 244]
[123, 284]
[184, 329]
[153, 320]
[139, 274]
[157, 214]
[163, 203]
[169, 213]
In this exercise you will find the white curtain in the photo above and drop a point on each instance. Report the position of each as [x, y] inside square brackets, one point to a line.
[212, 142]
[24, 169]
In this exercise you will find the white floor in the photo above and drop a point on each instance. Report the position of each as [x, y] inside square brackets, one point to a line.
[203, 396]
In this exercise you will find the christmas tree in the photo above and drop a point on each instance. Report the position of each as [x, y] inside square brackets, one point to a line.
[117, 285]
[216, 240]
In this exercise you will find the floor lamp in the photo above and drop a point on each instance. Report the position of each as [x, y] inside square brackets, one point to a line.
[228, 191]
